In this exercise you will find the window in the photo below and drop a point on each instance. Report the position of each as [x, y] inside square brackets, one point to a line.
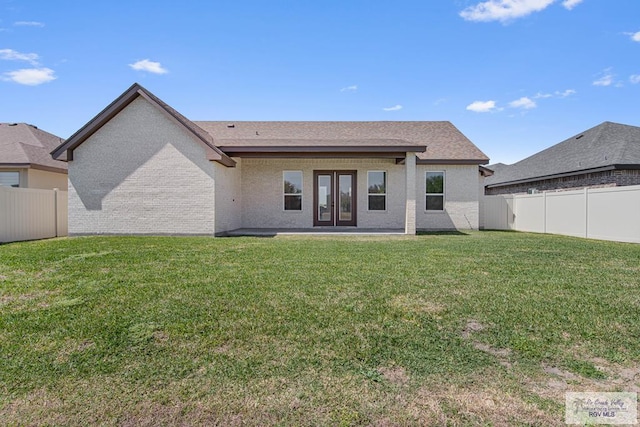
[434, 191]
[377, 189]
[292, 190]
[10, 179]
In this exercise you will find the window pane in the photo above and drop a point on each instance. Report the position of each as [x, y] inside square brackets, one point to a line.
[377, 182]
[435, 182]
[377, 203]
[292, 203]
[10, 179]
[435, 203]
[293, 182]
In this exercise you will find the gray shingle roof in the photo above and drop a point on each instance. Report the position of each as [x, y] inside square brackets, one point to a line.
[606, 145]
[443, 140]
[24, 145]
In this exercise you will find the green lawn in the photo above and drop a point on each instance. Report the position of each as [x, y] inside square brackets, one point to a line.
[484, 328]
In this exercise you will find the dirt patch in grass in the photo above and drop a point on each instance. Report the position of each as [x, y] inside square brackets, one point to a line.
[410, 304]
[502, 354]
[396, 375]
[477, 405]
[27, 301]
[471, 327]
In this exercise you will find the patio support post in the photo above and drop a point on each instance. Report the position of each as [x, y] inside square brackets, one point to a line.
[410, 204]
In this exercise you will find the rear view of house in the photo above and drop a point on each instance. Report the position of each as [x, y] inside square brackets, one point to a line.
[140, 167]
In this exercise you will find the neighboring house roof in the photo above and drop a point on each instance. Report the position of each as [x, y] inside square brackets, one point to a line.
[603, 147]
[443, 141]
[25, 146]
[65, 151]
[433, 142]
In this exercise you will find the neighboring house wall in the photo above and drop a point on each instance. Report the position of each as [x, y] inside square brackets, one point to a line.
[262, 192]
[46, 180]
[461, 210]
[39, 179]
[141, 173]
[612, 178]
[228, 198]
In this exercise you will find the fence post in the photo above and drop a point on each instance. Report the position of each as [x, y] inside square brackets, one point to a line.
[55, 210]
[586, 212]
[544, 211]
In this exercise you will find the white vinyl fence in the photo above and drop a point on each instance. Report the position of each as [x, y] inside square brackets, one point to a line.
[31, 214]
[611, 213]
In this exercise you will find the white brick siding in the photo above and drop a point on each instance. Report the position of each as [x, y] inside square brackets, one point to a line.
[228, 197]
[262, 203]
[141, 173]
[461, 198]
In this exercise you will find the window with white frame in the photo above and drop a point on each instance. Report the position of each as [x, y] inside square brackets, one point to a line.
[434, 185]
[292, 190]
[377, 190]
[10, 179]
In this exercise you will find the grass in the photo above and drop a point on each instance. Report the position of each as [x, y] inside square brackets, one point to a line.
[484, 328]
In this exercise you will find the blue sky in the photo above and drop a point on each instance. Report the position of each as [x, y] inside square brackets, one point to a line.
[515, 76]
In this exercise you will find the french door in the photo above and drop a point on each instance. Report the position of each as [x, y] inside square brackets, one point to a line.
[334, 198]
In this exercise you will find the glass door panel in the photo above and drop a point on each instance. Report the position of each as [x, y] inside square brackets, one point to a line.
[344, 189]
[325, 198]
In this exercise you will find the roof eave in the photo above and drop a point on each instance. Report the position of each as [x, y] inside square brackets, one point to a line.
[562, 175]
[325, 149]
[452, 161]
[33, 166]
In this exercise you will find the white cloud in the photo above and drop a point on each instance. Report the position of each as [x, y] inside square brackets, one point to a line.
[394, 108]
[566, 93]
[570, 4]
[30, 76]
[149, 66]
[28, 24]
[634, 36]
[503, 10]
[351, 88]
[635, 79]
[524, 103]
[605, 79]
[482, 106]
[556, 94]
[12, 55]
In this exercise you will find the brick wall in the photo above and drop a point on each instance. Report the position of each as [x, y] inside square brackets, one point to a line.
[612, 178]
[461, 210]
[141, 173]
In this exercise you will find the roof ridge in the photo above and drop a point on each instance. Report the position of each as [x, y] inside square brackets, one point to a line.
[31, 128]
[626, 145]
